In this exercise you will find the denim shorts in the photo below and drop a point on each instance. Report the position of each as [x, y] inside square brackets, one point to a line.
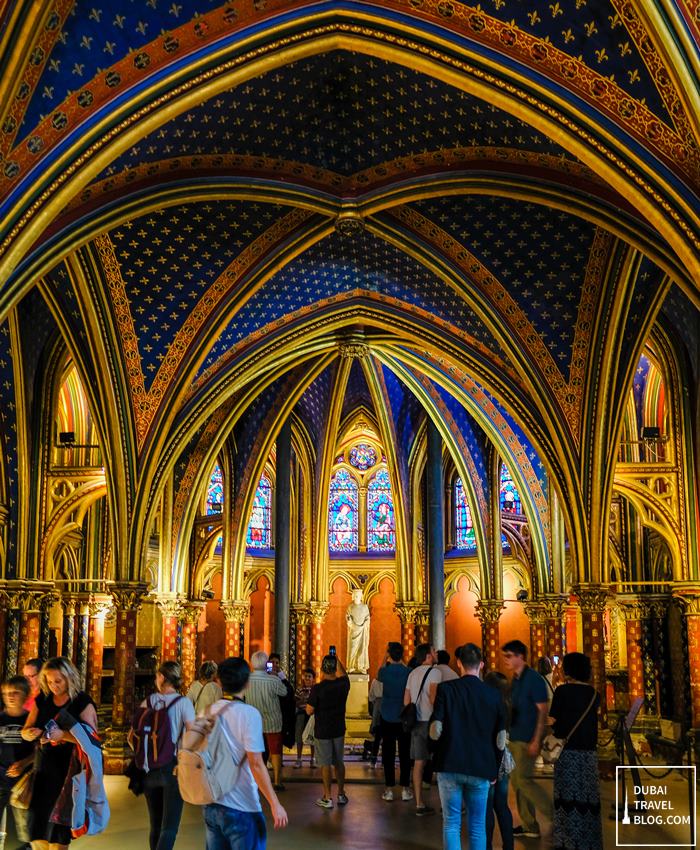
[232, 829]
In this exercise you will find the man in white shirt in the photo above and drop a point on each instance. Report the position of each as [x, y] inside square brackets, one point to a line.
[236, 820]
[443, 665]
[420, 689]
[264, 692]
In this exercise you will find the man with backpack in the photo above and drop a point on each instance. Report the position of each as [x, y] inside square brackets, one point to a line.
[234, 820]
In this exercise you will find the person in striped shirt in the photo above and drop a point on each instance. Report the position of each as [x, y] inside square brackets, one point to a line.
[264, 692]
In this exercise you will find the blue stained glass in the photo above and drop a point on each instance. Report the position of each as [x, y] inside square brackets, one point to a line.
[258, 535]
[381, 528]
[342, 513]
[464, 527]
[510, 498]
[215, 492]
[362, 457]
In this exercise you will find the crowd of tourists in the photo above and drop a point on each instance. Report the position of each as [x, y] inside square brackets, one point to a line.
[221, 744]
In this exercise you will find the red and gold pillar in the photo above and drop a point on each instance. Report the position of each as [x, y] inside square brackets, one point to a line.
[191, 613]
[170, 609]
[489, 613]
[302, 620]
[317, 615]
[98, 608]
[422, 631]
[235, 614]
[538, 629]
[592, 599]
[408, 614]
[632, 607]
[688, 599]
[554, 607]
[29, 628]
[128, 598]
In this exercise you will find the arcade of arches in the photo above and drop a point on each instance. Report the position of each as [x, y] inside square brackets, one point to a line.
[299, 299]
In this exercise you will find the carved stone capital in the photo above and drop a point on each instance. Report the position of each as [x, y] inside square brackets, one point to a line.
[23, 595]
[409, 612]
[489, 610]
[48, 600]
[554, 606]
[129, 596]
[191, 612]
[632, 606]
[687, 597]
[353, 350]
[234, 611]
[592, 598]
[170, 606]
[99, 604]
[536, 613]
[318, 612]
[657, 603]
[69, 604]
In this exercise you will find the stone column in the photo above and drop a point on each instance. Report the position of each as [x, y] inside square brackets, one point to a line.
[436, 537]
[632, 608]
[317, 616]
[302, 620]
[422, 625]
[98, 608]
[46, 604]
[489, 613]
[82, 621]
[3, 632]
[12, 640]
[68, 639]
[128, 598]
[191, 613]
[170, 609]
[408, 613]
[283, 485]
[592, 599]
[29, 628]
[235, 614]
[536, 614]
[554, 607]
[688, 599]
[658, 608]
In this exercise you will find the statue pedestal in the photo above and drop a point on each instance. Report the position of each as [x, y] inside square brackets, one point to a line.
[357, 717]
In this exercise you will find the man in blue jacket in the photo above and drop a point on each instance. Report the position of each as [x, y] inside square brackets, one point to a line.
[469, 725]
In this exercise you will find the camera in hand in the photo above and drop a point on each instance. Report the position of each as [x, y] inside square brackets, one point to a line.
[331, 651]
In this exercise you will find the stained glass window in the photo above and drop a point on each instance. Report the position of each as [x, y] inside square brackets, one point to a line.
[510, 498]
[258, 536]
[381, 530]
[215, 493]
[342, 513]
[464, 527]
[362, 456]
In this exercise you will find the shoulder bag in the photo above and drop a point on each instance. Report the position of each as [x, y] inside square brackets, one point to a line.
[552, 746]
[409, 713]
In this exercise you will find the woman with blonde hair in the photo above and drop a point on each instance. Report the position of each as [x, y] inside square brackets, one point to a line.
[204, 691]
[60, 692]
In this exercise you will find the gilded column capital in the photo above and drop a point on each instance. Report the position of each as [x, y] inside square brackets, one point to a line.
[69, 604]
[489, 610]
[687, 597]
[632, 606]
[536, 613]
[99, 604]
[235, 611]
[170, 606]
[318, 612]
[658, 603]
[191, 612]
[408, 612]
[592, 598]
[129, 596]
[353, 350]
[554, 606]
[48, 600]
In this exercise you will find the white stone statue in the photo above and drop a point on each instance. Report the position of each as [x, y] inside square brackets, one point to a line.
[357, 618]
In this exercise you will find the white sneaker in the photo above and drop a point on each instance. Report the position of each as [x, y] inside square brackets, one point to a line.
[388, 795]
[406, 794]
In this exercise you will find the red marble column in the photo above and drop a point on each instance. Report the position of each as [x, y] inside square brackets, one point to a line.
[98, 607]
[29, 629]
[592, 599]
[538, 630]
[688, 598]
[632, 608]
[408, 613]
[302, 621]
[170, 609]
[127, 600]
[235, 613]
[422, 631]
[489, 613]
[190, 618]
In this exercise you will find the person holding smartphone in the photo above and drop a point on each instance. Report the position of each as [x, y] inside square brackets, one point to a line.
[264, 692]
[60, 690]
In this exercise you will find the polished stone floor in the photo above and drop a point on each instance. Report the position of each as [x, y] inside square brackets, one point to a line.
[367, 823]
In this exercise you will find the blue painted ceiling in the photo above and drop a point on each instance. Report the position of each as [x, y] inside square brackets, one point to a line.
[357, 392]
[314, 405]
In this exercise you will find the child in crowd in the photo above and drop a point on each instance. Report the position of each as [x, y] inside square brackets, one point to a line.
[15, 754]
[301, 697]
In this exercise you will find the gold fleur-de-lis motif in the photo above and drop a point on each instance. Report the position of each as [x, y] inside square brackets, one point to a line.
[633, 75]
[568, 35]
[601, 55]
[614, 21]
[625, 49]
[580, 3]
[556, 9]
[534, 18]
[591, 28]
[86, 42]
[499, 3]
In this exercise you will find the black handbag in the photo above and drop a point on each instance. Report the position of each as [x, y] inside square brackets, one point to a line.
[409, 713]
